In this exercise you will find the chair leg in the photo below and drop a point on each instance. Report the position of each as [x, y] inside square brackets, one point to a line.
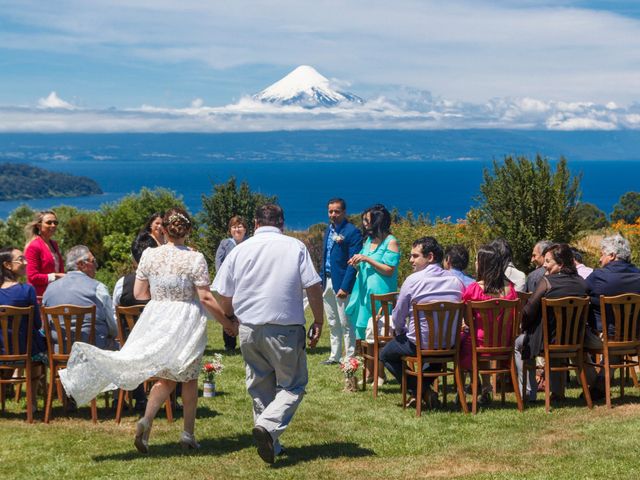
[168, 409]
[52, 385]
[403, 384]
[585, 387]
[61, 395]
[502, 392]
[634, 376]
[28, 373]
[94, 411]
[624, 373]
[119, 406]
[547, 385]
[474, 388]
[516, 390]
[607, 380]
[419, 391]
[376, 370]
[460, 386]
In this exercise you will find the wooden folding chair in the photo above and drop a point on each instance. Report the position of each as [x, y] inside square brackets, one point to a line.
[564, 342]
[127, 318]
[623, 311]
[371, 351]
[65, 321]
[444, 320]
[499, 320]
[14, 356]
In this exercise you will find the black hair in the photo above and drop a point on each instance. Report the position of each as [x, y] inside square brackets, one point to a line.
[503, 250]
[491, 269]
[577, 255]
[338, 200]
[140, 244]
[429, 245]
[563, 256]
[457, 256]
[6, 256]
[270, 215]
[150, 220]
[380, 225]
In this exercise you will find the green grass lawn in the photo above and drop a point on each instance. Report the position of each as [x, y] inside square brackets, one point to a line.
[334, 435]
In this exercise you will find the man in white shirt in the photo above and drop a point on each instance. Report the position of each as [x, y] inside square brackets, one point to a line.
[261, 283]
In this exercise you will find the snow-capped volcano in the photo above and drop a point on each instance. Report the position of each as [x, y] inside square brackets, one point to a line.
[305, 87]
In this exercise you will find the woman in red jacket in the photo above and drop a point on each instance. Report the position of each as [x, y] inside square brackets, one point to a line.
[44, 260]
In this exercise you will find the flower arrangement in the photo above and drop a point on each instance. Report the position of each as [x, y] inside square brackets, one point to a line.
[338, 238]
[350, 366]
[212, 368]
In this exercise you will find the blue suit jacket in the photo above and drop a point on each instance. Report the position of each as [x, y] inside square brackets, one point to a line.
[343, 276]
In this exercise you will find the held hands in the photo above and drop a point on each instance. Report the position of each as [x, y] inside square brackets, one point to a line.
[341, 294]
[231, 326]
[314, 334]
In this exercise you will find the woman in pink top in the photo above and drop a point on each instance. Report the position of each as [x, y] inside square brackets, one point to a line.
[44, 260]
[491, 283]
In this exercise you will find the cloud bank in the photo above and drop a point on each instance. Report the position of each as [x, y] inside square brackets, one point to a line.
[409, 109]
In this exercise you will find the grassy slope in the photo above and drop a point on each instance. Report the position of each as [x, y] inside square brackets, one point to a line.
[334, 435]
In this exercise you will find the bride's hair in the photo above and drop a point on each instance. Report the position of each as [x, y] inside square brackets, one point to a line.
[177, 223]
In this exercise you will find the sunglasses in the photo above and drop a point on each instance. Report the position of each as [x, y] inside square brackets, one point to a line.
[51, 222]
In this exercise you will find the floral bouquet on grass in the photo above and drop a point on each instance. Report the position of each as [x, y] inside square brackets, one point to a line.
[212, 368]
[349, 367]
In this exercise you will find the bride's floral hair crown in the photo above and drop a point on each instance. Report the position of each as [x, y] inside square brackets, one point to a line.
[177, 223]
[178, 216]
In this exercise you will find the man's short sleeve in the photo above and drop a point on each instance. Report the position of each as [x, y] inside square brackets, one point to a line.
[308, 274]
[224, 282]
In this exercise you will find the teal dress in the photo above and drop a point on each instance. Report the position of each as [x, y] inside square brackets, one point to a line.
[369, 281]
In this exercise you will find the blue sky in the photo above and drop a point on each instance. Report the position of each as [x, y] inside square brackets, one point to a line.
[166, 53]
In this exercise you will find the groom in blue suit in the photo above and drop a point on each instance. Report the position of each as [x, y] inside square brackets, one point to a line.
[342, 240]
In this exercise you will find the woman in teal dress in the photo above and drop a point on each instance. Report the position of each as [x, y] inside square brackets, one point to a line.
[377, 265]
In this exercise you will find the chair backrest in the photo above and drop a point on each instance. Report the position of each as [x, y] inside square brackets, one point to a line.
[66, 322]
[381, 308]
[443, 321]
[127, 318]
[524, 298]
[498, 318]
[570, 317]
[11, 319]
[622, 311]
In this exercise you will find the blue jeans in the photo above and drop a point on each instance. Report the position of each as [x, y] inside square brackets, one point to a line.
[391, 355]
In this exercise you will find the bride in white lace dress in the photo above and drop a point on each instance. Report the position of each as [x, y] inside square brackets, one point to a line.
[168, 340]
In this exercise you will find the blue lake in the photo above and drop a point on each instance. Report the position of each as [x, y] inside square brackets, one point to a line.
[435, 172]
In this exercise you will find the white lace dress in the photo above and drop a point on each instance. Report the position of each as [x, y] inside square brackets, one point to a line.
[168, 340]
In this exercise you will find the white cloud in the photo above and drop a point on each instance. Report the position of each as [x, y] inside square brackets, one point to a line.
[413, 110]
[54, 101]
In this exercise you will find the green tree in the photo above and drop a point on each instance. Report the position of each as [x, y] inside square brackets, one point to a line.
[591, 217]
[226, 201]
[525, 201]
[12, 231]
[627, 208]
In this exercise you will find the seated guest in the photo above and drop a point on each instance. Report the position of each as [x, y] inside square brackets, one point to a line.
[515, 276]
[561, 280]
[123, 290]
[456, 260]
[79, 287]
[537, 260]
[492, 283]
[617, 276]
[13, 293]
[429, 283]
[582, 269]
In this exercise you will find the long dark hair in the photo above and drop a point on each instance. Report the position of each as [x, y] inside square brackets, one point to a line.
[491, 269]
[150, 220]
[6, 256]
[563, 256]
[380, 225]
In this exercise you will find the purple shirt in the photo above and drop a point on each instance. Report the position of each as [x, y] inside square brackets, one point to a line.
[429, 285]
